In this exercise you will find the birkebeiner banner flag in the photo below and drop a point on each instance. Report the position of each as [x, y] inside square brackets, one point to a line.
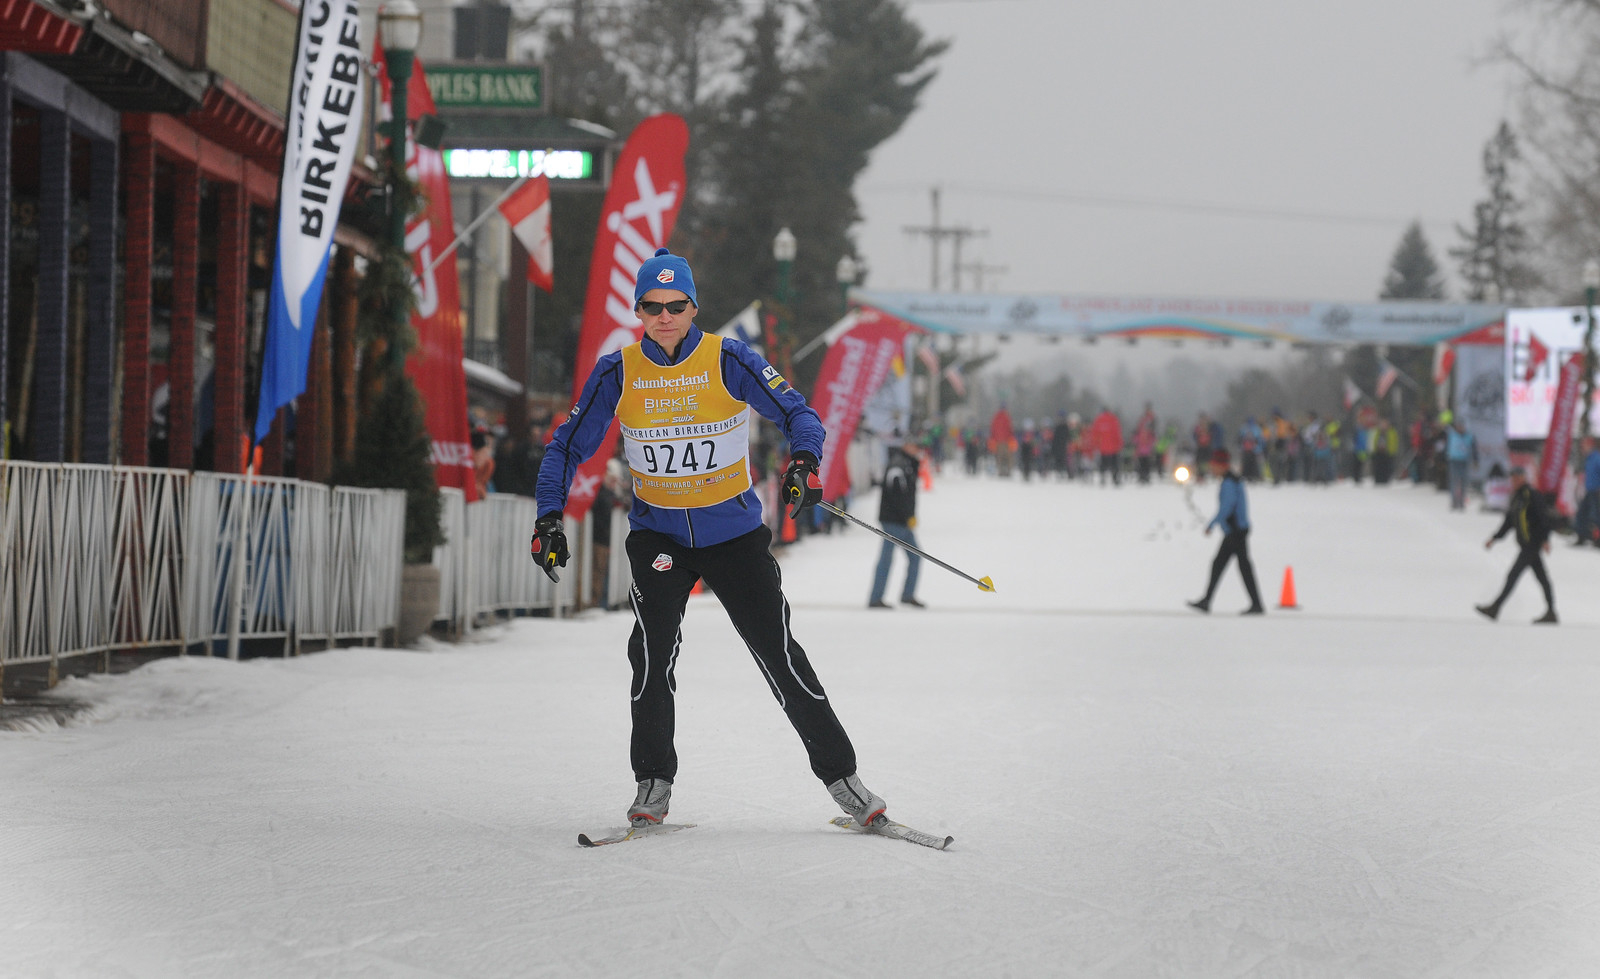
[324, 126]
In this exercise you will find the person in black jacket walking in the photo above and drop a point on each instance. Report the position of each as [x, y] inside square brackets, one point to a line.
[897, 513]
[1526, 515]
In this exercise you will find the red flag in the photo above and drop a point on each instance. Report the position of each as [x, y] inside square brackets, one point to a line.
[958, 384]
[435, 365]
[855, 366]
[1563, 414]
[640, 209]
[1386, 378]
[527, 210]
[1444, 361]
[1352, 394]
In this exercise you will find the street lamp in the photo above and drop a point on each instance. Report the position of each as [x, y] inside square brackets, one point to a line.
[783, 249]
[1591, 282]
[401, 23]
[845, 272]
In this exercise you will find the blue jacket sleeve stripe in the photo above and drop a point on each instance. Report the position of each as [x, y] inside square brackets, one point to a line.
[742, 372]
[580, 435]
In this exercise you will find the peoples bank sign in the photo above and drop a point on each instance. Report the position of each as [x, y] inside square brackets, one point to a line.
[514, 87]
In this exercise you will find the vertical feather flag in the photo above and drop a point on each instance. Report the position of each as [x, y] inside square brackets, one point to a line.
[321, 135]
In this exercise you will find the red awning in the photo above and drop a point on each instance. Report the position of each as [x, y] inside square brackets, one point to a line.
[25, 26]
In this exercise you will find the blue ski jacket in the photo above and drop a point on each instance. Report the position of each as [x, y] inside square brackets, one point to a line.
[743, 371]
[1233, 510]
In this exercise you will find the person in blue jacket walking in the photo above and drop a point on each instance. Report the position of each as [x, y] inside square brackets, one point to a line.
[1233, 516]
[683, 399]
[1460, 452]
[1588, 522]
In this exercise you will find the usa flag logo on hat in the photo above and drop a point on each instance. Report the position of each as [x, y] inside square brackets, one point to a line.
[663, 562]
[665, 275]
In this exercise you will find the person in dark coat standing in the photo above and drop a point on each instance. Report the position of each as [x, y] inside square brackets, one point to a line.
[897, 513]
[1526, 515]
[1233, 516]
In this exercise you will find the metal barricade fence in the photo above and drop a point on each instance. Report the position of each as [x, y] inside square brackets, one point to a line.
[485, 570]
[96, 558]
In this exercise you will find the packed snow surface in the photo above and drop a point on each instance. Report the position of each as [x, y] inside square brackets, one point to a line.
[1380, 784]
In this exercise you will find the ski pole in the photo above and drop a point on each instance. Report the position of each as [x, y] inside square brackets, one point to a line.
[984, 584]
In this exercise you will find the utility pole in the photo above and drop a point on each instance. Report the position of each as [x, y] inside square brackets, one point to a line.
[979, 270]
[936, 233]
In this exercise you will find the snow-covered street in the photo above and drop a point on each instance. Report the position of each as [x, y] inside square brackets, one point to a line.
[1379, 784]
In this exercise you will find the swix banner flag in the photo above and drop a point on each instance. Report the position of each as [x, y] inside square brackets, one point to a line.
[320, 139]
[858, 360]
[435, 365]
[527, 210]
[1563, 415]
[641, 207]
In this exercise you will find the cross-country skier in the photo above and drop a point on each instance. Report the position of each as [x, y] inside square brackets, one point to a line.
[1233, 516]
[1526, 515]
[683, 399]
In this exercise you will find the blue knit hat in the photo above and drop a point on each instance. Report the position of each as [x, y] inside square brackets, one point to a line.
[665, 271]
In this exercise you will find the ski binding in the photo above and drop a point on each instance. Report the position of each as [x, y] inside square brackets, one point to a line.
[634, 833]
[884, 826]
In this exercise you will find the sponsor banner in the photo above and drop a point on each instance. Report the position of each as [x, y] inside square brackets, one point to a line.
[1538, 343]
[435, 365]
[1418, 323]
[1480, 400]
[1563, 414]
[854, 369]
[640, 210]
[321, 135]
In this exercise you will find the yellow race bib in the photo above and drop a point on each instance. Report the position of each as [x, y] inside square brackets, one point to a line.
[687, 439]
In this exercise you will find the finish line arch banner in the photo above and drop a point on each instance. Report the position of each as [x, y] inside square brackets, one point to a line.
[1538, 343]
[1179, 319]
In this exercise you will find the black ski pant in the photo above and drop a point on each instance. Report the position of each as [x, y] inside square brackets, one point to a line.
[1235, 543]
[1528, 557]
[746, 580]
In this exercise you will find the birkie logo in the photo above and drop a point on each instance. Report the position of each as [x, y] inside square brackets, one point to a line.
[663, 562]
[665, 275]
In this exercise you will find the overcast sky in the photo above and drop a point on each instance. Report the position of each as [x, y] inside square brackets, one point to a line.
[1139, 146]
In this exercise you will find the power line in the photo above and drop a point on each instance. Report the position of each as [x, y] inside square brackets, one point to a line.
[1159, 204]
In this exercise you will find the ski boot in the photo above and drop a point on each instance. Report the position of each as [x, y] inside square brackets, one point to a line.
[857, 800]
[650, 805]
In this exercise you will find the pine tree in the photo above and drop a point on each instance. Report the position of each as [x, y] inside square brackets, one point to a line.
[1413, 273]
[393, 448]
[1493, 255]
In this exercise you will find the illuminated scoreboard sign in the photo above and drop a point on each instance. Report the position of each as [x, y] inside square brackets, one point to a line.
[514, 164]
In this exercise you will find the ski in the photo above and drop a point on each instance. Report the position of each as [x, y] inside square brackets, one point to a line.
[883, 826]
[633, 833]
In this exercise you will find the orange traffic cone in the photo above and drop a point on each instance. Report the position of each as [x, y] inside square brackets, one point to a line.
[699, 586]
[1286, 597]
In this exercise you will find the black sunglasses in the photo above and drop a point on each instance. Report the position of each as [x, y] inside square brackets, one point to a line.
[675, 307]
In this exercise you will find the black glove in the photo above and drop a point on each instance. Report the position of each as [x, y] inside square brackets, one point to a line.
[801, 484]
[549, 544]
